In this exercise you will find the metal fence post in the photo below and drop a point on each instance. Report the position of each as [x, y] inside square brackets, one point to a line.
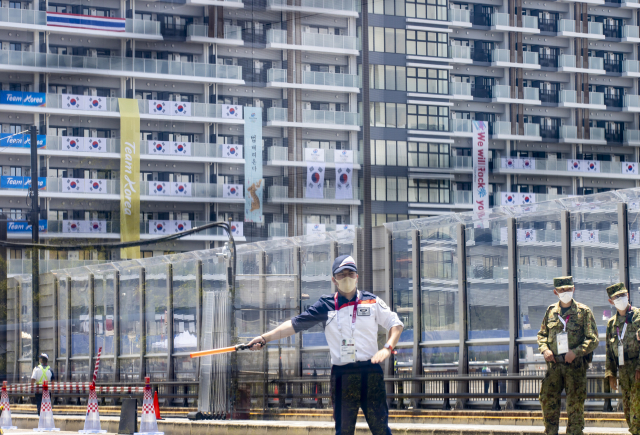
[388, 295]
[416, 386]
[143, 329]
[116, 327]
[169, 321]
[565, 232]
[463, 350]
[514, 357]
[623, 245]
[92, 336]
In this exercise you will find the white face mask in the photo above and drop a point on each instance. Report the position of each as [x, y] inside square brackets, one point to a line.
[621, 303]
[565, 297]
[347, 284]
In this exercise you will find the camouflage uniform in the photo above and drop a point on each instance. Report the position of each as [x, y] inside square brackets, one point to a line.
[628, 385]
[583, 339]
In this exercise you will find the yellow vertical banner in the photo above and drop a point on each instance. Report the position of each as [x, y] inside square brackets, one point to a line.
[129, 175]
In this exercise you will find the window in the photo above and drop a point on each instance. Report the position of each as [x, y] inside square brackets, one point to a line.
[390, 115]
[429, 191]
[422, 43]
[15, 254]
[58, 215]
[387, 40]
[387, 7]
[428, 155]
[15, 214]
[432, 118]
[429, 9]
[388, 77]
[431, 81]
[16, 171]
[57, 173]
[389, 189]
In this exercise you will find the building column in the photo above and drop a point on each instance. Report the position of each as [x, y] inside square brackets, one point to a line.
[463, 349]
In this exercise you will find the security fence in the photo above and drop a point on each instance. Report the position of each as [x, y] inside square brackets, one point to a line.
[471, 290]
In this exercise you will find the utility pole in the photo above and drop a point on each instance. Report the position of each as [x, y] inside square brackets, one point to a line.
[35, 238]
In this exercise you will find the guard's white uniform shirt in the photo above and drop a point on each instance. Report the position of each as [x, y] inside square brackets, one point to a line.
[371, 312]
[37, 375]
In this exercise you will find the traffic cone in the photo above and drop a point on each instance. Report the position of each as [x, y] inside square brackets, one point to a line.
[156, 405]
[5, 419]
[46, 423]
[92, 419]
[148, 423]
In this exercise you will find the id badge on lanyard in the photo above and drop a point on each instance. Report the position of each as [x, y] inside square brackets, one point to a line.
[620, 346]
[563, 338]
[347, 345]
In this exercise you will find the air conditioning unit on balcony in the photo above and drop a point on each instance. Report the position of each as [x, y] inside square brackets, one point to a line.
[306, 29]
[114, 133]
[257, 102]
[92, 52]
[332, 68]
[196, 178]
[196, 98]
[306, 105]
[332, 107]
[5, 45]
[196, 138]
[277, 142]
[113, 93]
[196, 216]
[235, 140]
[306, 67]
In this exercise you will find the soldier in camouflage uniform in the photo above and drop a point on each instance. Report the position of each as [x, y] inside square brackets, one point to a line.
[622, 328]
[567, 336]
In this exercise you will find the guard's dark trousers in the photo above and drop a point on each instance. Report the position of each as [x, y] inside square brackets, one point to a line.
[359, 385]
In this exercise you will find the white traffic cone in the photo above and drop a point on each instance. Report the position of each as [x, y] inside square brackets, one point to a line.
[5, 419]
[148, 423]
[92, 419]
[46, 423]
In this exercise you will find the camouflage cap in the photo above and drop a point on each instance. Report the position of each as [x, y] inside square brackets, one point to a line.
[616, 289]
[563, 281]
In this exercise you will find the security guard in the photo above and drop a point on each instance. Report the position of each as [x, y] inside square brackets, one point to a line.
[622, 353]
[567, 338]
[350, 319]
[40, 374]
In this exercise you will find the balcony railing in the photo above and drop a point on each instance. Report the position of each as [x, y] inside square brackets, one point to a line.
[503, 55]
[460, 15]
[595, 28]
[596, 63]
[459, 88]
[567, 26]
[329, 79]
[566, 60]
[459, 52]
[277, 114]
[529, 22]
[630, 66]
[632, 136]
[460, 125]
[531, 93]
[143, 27]
[278, 229]
[568, 131]
[124, 64]
[562, 165]
[463, 197]
[548, 25]
[328, 193]
[461, 162]
[632, 101]
[23, 16]
[549, 96]
[329, 41]
[202, 30]
[282, 154]
[276, 36]
[329, 117]
[277, 75]
[630, 31]
[502, 19]
[569, 96]
[504, 128]
[340, 5]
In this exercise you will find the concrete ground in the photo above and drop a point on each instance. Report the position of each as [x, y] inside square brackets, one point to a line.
[181, 426]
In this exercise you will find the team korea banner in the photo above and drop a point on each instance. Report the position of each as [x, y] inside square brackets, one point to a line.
[344, 184]
[480, 134]
[77, 21]
[315, 180]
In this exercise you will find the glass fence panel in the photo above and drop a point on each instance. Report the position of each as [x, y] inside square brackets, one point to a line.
[185, 308]
[485, 361]
[156, 317]
[104, 297]
[131, 331]
[80, 322]
[63, 326]
[487, 280]
[402, 263]
[25, 338]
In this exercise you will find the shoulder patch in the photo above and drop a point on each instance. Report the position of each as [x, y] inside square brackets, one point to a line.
[382, 303]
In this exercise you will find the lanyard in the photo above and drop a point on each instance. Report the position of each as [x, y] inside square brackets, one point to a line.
[353, 317]
[624, 330]
[564, 322]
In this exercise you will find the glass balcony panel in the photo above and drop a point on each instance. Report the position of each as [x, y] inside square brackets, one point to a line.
[630, 31]
[276, 36]
[499, 19]
[461, 125]
[278, 153]
[596, 63]
[567, 26]
[595, 28]
[568, 96]
[568, 132]
[500, 55]
[459, 88]
[531, 129]
[531, 93]
[460, 15]
[530, 57]
[459, 52]
[632, 135]
[631, 100]
[567, 60]
[232, 32]
[628, 66]
[529, 22]
[596, 98]
[501, 91]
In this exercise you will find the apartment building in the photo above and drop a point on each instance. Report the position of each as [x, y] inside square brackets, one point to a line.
[185, 63]
[556, 81]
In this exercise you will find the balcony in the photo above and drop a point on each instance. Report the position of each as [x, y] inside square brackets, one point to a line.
[461, 163]
[460, 91]
[613, 100]
[568, 28]
[568, 98]
[23, 16]
[502, 130]
[279, 155]
[630, 68]
[549, 132]
[612, 65]
[329, 117]
[613, 136]
[173, 31]
[318, 42]
[548, 25]
[612, 31]
[462, 197]
[460, 127]
[460, 54]
[548, 60]
[280, 194]
[567, 63]
[631, 103]
[315, 80]
[277, 230]
[631, 137]
[340, 8]
[480, 91]
[322, 119]
[200, 32]
[502, 57]
[460, 17]
[549, 96]
[630, 34]
[500, 21]
[481, 19]
[569, 134]
[130, 67]
[502, 94]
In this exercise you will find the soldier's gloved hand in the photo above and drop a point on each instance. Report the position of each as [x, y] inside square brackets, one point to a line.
[569, 357]
[613, 382]
[548, 356]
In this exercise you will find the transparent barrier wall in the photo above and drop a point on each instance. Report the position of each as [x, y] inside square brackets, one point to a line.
[471, 291]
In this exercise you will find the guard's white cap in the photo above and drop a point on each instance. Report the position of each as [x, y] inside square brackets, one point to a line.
[44, 355]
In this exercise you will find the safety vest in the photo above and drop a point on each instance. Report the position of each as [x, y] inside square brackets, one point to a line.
[44, 373]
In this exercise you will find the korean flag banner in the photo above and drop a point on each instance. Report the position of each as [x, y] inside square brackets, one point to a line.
[95, 144]
[232, 191]
[95, 103]
[178, 108]
[526, 235]
[158, 107]
[157, 188]
[181, 148]
[231, 111]
[71, 226]
[634, 237]
[344, 181]
[237, 229]
[509, 163]
[73, 185]
[574, 165]
[96, 186]
[509, 198]
[180, 226]
[315, 180]
[579, 236]
[593, 236]
[97, 226]
[528, 164]
[158, 148]
[181, 189]
[159, 227]
[527, 199]
[73, 102]
[232, 151]
[630, 168]
[593, 166]
[72, 143]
